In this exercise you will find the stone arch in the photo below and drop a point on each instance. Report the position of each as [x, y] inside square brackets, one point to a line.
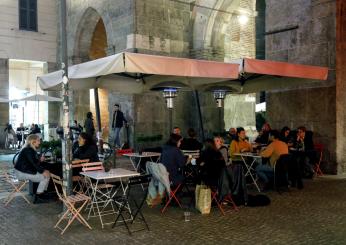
[90, 22]
[213, 29]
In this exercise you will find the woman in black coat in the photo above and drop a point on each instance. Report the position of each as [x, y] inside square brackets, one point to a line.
[173, 159]
[211, 162]
[86, 149]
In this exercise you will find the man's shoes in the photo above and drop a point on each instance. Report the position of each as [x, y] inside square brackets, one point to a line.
[40, 198]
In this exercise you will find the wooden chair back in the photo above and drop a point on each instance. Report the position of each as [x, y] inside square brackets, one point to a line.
[92, 166]
[58, 185]
[79, 163]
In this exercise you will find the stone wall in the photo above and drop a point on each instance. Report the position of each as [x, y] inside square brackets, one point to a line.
[311, 41]
[341, 85]
[4, 107]
[312, 108]
[163, 27]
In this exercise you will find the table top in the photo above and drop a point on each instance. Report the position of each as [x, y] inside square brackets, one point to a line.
[111, 174]
[248, 154]
[144, 154]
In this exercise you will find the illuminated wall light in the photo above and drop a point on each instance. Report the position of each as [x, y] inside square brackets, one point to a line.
[243, 19]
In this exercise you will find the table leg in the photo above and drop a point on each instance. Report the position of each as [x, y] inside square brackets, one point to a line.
[133, 163]
[248, 172]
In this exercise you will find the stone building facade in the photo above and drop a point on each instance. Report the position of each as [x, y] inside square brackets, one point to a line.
[203, 29]
[304, 32]
[16, 42]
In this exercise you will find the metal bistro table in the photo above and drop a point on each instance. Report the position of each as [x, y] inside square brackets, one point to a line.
[133, 157]
[249, 165]
[118, 174]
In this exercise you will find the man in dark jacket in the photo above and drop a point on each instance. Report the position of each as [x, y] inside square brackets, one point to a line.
[117, 123]
[28, 165]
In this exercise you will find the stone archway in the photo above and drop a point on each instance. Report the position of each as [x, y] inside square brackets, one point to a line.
[217, 33]
[90, 22]
[90, 43]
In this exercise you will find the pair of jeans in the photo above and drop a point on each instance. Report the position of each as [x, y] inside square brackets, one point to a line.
[40, 178]
[117, 137]
[265, 172]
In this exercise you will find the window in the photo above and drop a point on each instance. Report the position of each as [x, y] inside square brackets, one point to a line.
[28, 15]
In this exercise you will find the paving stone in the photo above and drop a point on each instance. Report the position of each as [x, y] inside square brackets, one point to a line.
[314, 215]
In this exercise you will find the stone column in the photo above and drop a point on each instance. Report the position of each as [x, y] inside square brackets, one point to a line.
[340, 84]
[4, 90]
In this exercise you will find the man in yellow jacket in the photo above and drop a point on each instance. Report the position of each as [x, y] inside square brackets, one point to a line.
[277, 148]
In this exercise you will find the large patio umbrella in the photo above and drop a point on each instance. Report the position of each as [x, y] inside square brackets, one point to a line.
[137, 73]
[38, 98]
[265, 75]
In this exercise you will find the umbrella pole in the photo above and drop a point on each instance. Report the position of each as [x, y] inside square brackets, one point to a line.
[97, 109]
[199, 114]
[66, 141]
[170, 120]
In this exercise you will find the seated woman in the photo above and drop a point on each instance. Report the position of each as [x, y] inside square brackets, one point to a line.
[86, 149]
[285, 136]
[28, 166]
[173, 159]
[191, 143]
[219, 144]
[239, 145]
[212, 163]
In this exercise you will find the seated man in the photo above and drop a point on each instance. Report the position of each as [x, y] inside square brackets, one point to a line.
[276, 148]
[191, 143]
[28, 166]
[305, 154]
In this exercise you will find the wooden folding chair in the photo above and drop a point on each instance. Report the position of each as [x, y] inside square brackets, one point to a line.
[226, 199]
[319, 148]
[72, 212]
[78, 180]
[17, 185]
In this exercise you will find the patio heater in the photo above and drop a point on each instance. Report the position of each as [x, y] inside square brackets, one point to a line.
[169, 94]
[169, 91]
[219, 96]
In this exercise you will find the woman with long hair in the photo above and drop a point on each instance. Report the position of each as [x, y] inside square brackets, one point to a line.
[87, 148]
[239, 145]
[28, 166]
[211, 162]
[173, 159]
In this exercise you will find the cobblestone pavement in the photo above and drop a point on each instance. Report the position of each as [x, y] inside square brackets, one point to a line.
[315, 215]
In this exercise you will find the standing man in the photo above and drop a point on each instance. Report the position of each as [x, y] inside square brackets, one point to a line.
[117, 124]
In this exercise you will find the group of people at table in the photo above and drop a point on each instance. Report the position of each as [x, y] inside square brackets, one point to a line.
[214, 155]
[269, 146]
[31, 166]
